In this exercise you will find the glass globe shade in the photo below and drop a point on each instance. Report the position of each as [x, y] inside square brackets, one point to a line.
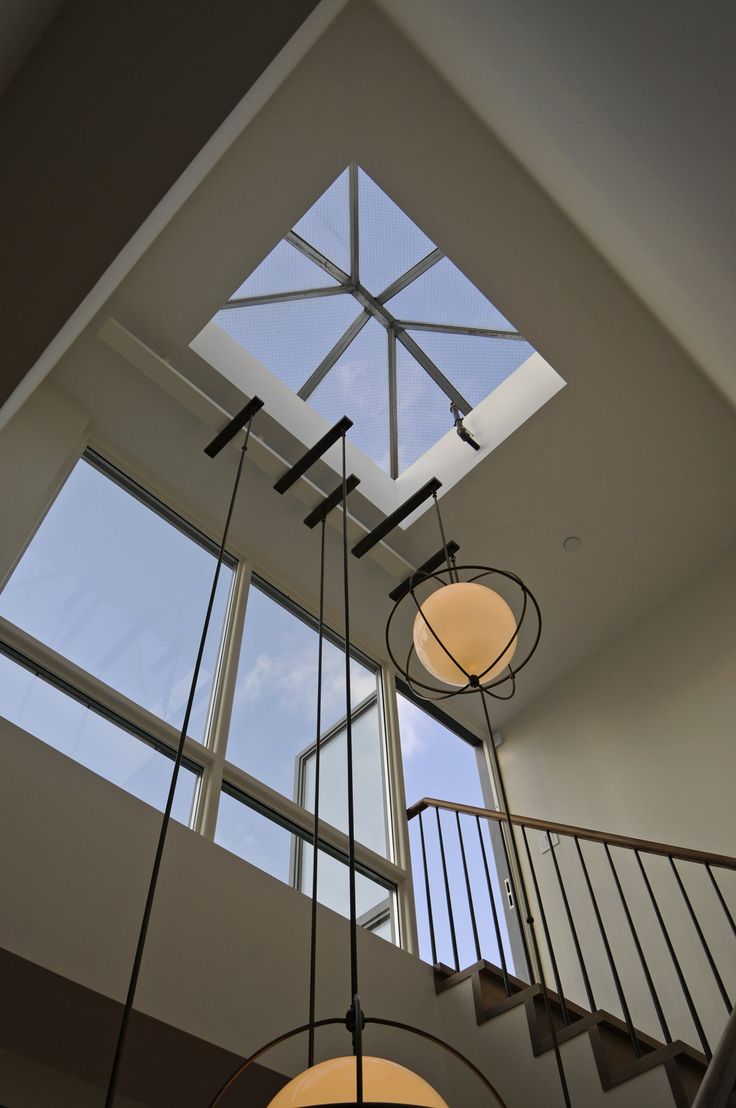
[474, 623]
[333, 1082]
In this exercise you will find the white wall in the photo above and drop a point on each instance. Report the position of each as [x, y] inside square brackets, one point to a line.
[640, 742]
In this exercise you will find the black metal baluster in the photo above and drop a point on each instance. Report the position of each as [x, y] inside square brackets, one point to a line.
[609, 954]
[573, 929]
[701, 936]
[721, 898]
[675, 962]
[471, 909]
[450, 916]
[640, 952]
[496, 925]
[430, 916]
[548, 937]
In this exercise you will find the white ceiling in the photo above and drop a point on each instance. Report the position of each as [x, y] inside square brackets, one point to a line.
[637, 455]
[626, 114]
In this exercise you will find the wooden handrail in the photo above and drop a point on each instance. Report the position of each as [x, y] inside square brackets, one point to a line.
[724, 861]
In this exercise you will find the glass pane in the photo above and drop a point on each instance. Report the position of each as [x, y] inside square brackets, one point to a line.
[278, 851]
[389, 242]
[274, 713]
[445, 295]
[424, 415]
[357, 386]
[476, 366]
[370, 818]
[121, 592]
[285, 269]
[290, 338]
[92, 740]
[327, 223]
[439, 764]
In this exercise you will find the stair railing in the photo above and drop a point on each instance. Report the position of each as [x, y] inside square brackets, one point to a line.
[594, 893]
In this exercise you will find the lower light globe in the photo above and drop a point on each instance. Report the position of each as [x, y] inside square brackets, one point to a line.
[476, 626]
[333, 1082]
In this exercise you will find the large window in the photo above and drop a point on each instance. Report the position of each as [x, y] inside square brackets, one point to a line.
[99, 629]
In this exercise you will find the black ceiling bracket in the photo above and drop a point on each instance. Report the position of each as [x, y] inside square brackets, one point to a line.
[369, 541]
[313, 455]
[425, 570]
[231, 429]
[331, 501]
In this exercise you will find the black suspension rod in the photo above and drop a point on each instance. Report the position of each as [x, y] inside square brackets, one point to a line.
[545, 927]
[645, 968]
[701, 936]
[494, 912]
[468, 890]
[675, 961]
[571, 925]
[166, 819]
[609, 954]
[315, 825]
[448, 898]
[430, 916]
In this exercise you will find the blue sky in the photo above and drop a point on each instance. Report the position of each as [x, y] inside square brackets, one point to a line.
[291, 338]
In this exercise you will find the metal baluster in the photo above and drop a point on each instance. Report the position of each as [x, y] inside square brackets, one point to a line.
[573, 929]
[496, 926]
[471, 909]
[701, 936]
[675, 962]
[721, 898]
[548, 937]
[609, 954]
[640, 952]
[428, 894]
[450, 915]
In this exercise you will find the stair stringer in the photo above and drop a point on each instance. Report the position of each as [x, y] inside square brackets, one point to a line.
[591, 1048]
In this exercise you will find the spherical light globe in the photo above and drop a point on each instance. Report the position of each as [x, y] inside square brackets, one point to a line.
[333, 1082]
[474, 623]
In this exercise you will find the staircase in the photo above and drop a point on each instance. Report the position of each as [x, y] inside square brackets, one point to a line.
[643, 943]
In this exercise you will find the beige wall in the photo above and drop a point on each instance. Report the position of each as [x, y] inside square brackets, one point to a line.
[640, 741]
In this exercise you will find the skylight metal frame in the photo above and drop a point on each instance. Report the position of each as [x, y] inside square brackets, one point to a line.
[374, 307]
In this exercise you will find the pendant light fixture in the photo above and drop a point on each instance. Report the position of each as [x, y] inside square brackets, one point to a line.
[358, 1079]
[474, 628]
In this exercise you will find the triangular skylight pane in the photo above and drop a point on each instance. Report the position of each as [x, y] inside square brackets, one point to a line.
[358, 386]
[290, 338]
[327, 223]
[423, 409]
[476, 366]
[284, 270]
[444, 295]
[390, 243]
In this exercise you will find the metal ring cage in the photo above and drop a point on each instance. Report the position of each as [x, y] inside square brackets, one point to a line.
[528, 627]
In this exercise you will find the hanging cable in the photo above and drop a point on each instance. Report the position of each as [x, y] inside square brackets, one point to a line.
[354, 1002]
[315, 833]
[449, 556]
[140, 946]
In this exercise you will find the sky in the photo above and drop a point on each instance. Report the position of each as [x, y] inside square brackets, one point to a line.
[291, 338]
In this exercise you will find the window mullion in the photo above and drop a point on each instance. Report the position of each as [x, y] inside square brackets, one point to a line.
[221, 710]
[409, 938]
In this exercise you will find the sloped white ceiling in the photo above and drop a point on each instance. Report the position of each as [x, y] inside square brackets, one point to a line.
[626, 114]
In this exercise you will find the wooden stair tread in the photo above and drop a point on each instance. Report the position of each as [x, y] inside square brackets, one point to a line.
[609, 1037]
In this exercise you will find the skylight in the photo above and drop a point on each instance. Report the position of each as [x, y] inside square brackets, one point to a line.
[360, 314]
